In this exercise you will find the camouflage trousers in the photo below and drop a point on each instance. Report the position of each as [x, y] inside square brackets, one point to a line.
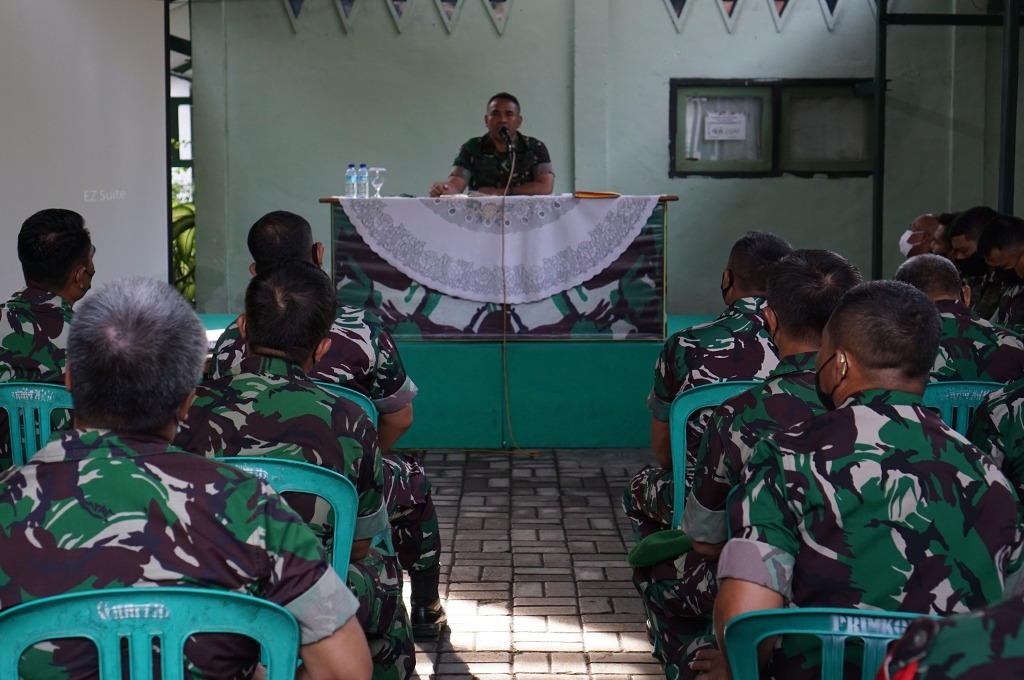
[376, 580]
[678, 594]
[414, 528]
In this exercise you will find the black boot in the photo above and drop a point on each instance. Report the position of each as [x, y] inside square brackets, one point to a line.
[428, 617]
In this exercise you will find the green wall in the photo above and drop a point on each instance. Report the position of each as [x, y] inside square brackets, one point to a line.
[282, 106]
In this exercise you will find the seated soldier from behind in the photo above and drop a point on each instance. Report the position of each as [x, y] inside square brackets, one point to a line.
[270, 407]
[483, 163]
[970, 348]
[997, 428]
[135, 352]
[1002, 245]
[362, 356]
[56, 260]
[964, 233]
[735, 346]
[802, 290]
[876, 504]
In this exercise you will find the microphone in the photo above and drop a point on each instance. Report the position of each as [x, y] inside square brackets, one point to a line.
[506, 137]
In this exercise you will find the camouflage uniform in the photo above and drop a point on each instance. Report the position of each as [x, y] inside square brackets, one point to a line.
[988, 643]
[363, 356]
[271, 408]
[998, 430]
[735, 346]
[787, 398]
[123, 510]
[481, 164]
[974, 349]
[33, 341]
[985, 294]
[904, 515]
[1010, 311]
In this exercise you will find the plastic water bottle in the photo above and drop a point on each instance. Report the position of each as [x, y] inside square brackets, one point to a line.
[350, 181]
[363, 182]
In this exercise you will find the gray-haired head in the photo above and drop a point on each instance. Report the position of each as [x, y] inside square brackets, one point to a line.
[135, 350]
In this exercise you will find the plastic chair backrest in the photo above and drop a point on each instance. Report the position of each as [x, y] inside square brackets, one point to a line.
[137, 616]
[957, 400]
[359, 398]
[832, 626]
[299, 477]
[684, 406]
[30, 407]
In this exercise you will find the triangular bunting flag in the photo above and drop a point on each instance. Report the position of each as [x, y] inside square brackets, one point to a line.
[779, 14]
[346, 13]
[399, 9]
[498, 10]
[730, 10]
[678, 10]
[449, 10]
[830, 8]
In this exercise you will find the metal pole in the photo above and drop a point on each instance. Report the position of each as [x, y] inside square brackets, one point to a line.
[878, 190]
[1008, 120]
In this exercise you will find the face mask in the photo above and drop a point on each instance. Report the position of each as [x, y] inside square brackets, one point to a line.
[905, 244]
[826, 399]
[725, 289]
[1007, 276]
[972, 265]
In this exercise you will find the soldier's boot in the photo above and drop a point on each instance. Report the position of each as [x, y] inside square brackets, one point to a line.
[428, 617]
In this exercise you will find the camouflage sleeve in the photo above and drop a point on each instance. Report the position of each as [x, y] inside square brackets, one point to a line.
[765, 533]
[704, 515]
[301, 581]
[997, 429]
[905, 655]
[361, 446]
[541, 160]
[666, 385]
[228, 351]
[462, 166]
[392, 389]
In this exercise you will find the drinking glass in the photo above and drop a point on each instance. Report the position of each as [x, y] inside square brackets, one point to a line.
[377, 180]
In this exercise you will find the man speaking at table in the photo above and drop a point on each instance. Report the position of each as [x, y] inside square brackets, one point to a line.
[484, 163]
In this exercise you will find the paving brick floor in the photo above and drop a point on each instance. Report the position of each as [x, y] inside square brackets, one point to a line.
[533, 569]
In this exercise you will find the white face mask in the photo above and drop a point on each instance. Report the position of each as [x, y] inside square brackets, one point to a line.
[905, 244]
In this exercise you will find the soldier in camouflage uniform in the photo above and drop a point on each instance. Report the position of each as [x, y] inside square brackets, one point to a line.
[970, 348]
[270, 407]
[1002, 245]
[997, 428]
[988, 643]
[876, 504]
[362, 356]
[735, 346]
[483, 163]
[114, 504]
[56, 259]
[802, 291]
[964, 232]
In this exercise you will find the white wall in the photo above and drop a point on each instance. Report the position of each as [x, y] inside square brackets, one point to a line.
[82, 127]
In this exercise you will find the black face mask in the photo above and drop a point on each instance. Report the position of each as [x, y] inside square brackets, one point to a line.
[973, 265]
[826, 399]
[725, 289]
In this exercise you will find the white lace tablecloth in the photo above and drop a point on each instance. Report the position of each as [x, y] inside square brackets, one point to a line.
[454, 245]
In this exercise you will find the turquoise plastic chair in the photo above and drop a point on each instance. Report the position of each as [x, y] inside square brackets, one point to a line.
[359, 398]
[299, 477]
[684, 406]
[832, 626]
[30, 407]
[956, 400]
[137, 616]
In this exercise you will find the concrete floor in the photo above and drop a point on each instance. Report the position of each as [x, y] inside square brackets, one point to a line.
[533, 568]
